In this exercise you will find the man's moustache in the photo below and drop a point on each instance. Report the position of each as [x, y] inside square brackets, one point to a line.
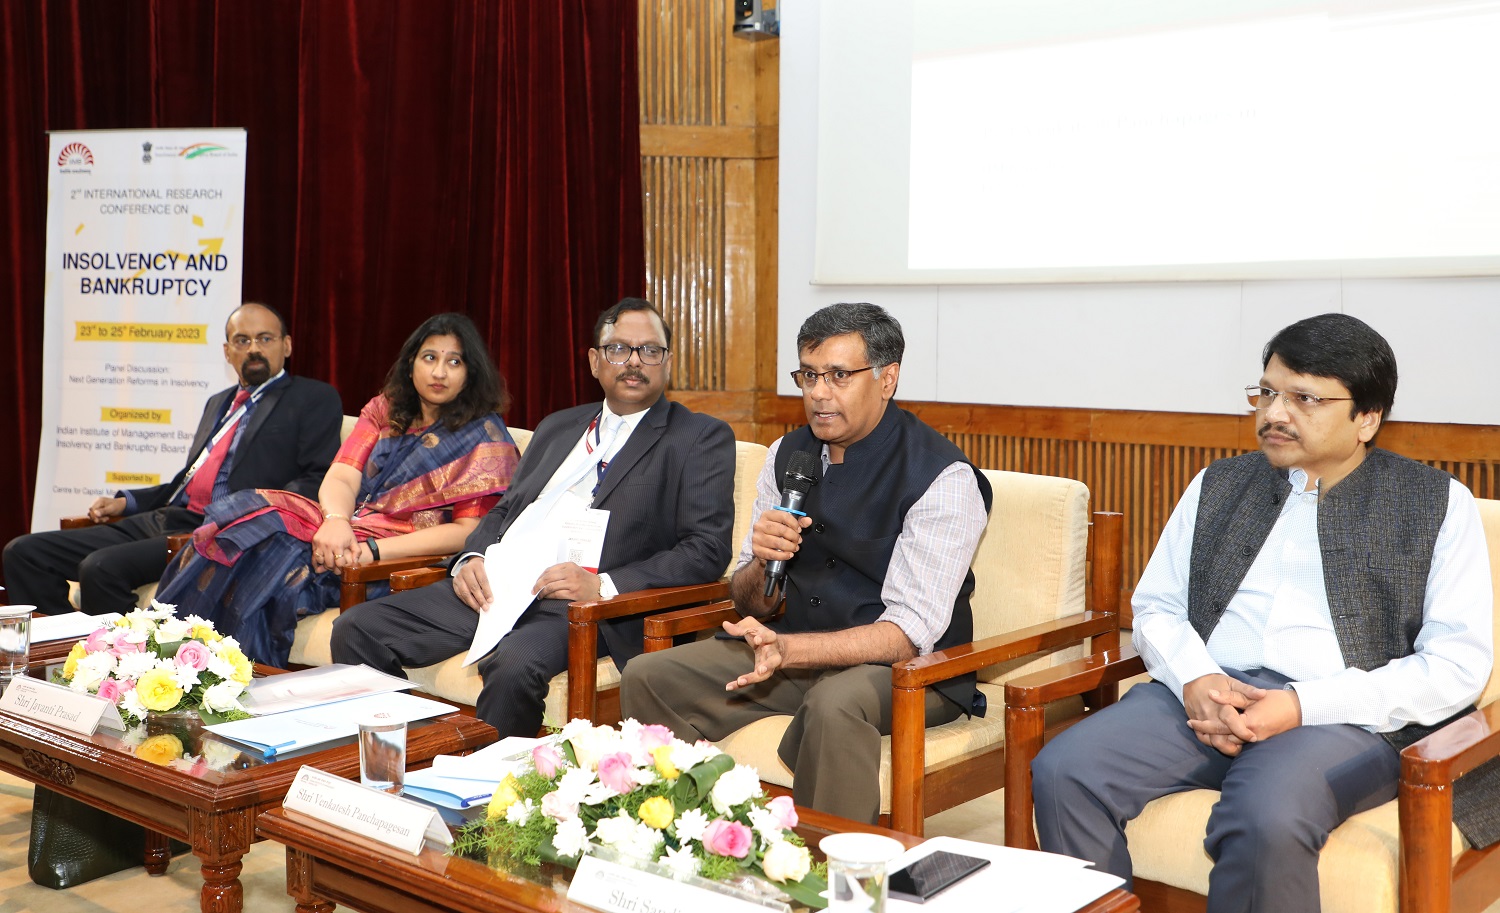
[636, 374]
[1268, 427]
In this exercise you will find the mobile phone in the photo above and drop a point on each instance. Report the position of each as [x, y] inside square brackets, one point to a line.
[932, 874]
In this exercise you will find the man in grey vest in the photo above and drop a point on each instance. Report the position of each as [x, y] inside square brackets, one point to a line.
[876, 572]
[1310, 610]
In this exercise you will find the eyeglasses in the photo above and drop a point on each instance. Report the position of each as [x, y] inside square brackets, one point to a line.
[618, 353]
[806, 380]
[263, 340]
[1262, 398]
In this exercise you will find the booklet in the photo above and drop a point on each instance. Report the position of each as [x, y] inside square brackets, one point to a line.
[318, 685]
[68, 626]
[282, 733]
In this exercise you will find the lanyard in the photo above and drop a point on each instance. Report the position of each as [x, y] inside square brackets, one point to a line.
[602, 466]
[226, 425]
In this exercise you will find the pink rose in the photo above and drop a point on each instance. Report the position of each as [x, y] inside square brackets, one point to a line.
[616, 772]
[546, 758]
[554, 806]
[123, 646]
[655, 736]
[785, 811]
[727, 838]
[97, 641]
[193, 654]
[109, 689]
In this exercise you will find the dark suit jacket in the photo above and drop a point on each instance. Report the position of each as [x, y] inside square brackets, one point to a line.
[669, 491]
[292, 437]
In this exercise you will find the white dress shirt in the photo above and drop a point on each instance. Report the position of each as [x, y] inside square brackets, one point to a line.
[1279, 620]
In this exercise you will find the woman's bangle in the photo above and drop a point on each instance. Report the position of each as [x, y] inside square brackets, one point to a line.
[374, 549]
[334, 516]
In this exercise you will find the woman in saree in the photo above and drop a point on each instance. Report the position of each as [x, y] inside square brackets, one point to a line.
[428, 458]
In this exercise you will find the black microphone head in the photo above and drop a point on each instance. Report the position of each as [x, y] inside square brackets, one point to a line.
[802, 472]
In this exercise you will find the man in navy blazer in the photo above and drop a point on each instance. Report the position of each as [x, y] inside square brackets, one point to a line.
[664, 473]
[283, 435]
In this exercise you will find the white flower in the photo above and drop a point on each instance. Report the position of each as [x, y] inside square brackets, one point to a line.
[644, 840]
[765, 823]
[186, 677]
[91, 670]
[194, 621]
[570, 837]
[218, 665]
[686, 757]
[134, 665]
[225, 643]
[786, 862]
[161, 609]
[130, 705]
[740, 784]
[574, 785]
[172, 629]
[681, 861]
[617, 831]
[223, 697]
[520, 812]
[595, 743]
[691, 824]
[134, 635]
[574, 727]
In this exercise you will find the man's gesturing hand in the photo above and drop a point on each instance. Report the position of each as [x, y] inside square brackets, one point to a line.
[769, 650]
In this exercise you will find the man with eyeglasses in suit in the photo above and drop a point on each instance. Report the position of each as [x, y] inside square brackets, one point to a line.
[271, 430]
[664, 473]
[1310, 610]
[877, 572]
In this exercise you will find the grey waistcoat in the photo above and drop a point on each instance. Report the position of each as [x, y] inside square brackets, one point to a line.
[1376, 531]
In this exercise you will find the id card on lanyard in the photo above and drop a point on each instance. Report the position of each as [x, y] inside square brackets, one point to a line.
[582, 539]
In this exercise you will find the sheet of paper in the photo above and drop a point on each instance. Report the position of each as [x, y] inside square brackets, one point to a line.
[513, 564]
[281, 733]
[1016, 881]
[68, 626]
[449, 792]
[491, 763]
[319, 685]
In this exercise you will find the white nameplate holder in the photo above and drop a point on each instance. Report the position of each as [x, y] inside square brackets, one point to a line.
[382, 817]
[59, 706]
[618, 888]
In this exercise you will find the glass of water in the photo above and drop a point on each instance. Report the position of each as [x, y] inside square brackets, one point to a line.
[382, 753]
[857, 867]
[15, 641]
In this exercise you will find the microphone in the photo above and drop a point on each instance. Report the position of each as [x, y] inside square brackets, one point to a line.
[801, 475]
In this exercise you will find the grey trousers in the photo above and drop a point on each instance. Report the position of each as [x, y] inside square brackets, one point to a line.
[1279, 799]
[838, 716]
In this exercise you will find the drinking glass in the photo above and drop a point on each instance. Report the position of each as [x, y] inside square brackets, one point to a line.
[857, 867]
[15, 641]
[382, 753]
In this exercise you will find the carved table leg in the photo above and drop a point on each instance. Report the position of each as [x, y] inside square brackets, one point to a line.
[299, 883]
[158, 852]
[222, 891]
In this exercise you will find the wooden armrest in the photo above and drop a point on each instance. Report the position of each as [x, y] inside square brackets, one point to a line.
[639, 601]
[661, 629]
[1072, 678]
[971, 657]
[177, 542]
[385, 567]
[74, 523]
[1454, 750]
[415, 579]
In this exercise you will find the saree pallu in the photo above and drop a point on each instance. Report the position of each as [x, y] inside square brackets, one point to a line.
[250, 571]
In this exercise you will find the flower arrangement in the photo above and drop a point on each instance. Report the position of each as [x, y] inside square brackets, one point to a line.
[650, 796]
[152, 661]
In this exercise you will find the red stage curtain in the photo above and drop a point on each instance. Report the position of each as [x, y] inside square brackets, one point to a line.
[405, 159]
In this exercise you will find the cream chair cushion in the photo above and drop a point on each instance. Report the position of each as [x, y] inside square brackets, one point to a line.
[1358, 867]
[1029, 568]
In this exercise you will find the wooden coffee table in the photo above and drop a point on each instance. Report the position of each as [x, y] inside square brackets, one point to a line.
[326, 866]
[212, 809]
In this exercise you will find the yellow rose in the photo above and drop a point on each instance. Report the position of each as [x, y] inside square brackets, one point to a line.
[657, 812]
[663, 756]
[157, 690]
[206, 633]
[508, 793]
[159, 749]
[74, 655]
[243, 669]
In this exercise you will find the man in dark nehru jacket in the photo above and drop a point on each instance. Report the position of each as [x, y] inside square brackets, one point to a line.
[1310, 610]
[271, 430]
[664, 474]
[876, 572]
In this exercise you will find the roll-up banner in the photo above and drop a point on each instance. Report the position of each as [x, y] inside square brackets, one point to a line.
[144, 234]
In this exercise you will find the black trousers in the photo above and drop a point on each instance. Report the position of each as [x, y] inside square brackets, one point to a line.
[428, 625]
[108, 560]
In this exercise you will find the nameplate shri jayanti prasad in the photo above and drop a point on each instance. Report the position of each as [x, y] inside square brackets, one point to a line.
[54, 705]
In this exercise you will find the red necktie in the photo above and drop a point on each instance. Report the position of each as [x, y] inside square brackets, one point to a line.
[200, 487]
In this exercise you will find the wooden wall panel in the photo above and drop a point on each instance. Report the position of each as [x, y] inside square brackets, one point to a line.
[682, 49]
[684, 234]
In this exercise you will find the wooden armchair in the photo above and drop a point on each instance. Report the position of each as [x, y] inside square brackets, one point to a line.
[1029, 603]
[590, 689]
[1404, 856]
